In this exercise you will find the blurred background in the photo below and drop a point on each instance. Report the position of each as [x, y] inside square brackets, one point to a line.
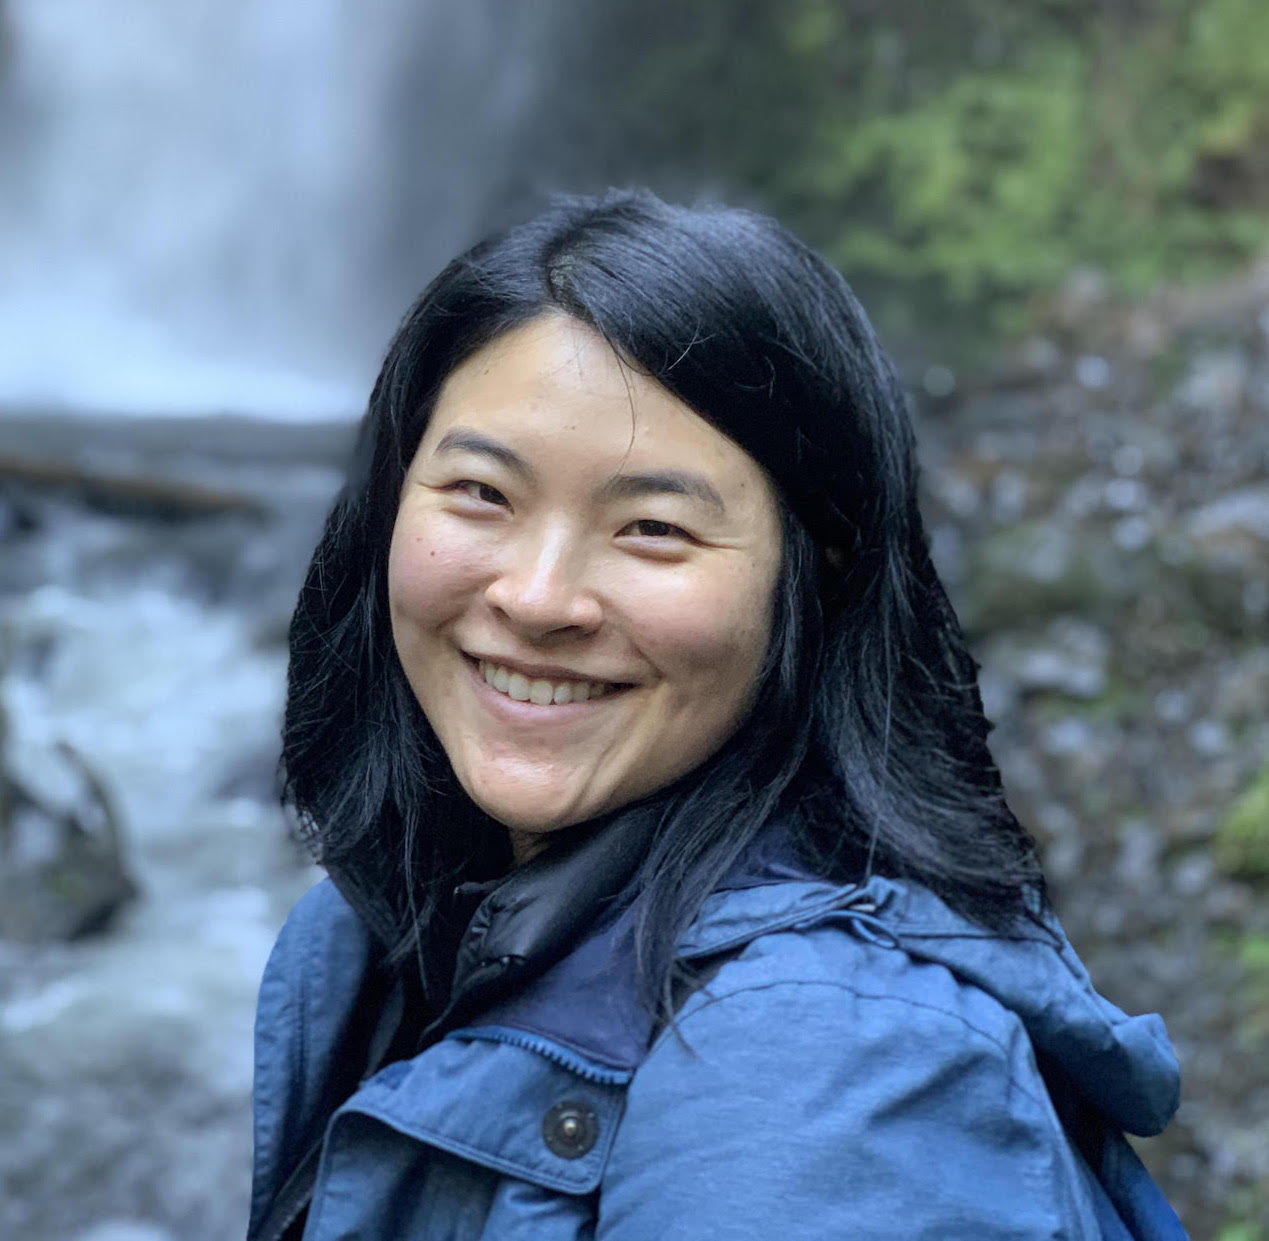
[212, 216]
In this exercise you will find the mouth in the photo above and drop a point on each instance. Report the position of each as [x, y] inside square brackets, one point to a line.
[541, 691]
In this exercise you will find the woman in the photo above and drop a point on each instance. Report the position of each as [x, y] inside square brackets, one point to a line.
[672, 889]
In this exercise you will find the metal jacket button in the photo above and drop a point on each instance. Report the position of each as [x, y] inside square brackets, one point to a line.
[570, 1129]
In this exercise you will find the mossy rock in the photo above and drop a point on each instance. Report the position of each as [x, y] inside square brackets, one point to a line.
[1039, 569]
[1242, 842]
[1241, 1231]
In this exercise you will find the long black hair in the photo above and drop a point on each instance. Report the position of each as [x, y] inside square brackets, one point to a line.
[867, 730]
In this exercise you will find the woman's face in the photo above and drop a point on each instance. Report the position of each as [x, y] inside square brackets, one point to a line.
[581, 579]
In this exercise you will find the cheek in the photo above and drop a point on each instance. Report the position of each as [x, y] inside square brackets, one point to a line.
[714, 635]
[428, 573]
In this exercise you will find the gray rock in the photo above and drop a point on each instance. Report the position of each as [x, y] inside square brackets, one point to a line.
[1034, 570]
[1092, 372]
[1209, 737]
[1069, 659]
[63, 870]
[1216, 382]
[1242, 513]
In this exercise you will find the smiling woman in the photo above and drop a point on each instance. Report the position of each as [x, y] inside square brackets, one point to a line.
[581, 580]
[673, 892]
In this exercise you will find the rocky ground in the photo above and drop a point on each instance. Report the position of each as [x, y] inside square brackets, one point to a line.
[1100, 509]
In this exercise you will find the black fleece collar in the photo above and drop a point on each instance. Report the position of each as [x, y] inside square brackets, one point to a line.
[540, 911]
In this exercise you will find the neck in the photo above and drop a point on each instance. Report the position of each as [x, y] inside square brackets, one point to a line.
[525, 846]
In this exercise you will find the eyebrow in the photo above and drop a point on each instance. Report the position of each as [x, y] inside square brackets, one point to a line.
[620, 487]
[462, 440]
[663, 482]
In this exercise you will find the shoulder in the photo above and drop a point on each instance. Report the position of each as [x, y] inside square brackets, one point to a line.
[311, 986]
[855, 1084]
[321, 928]
[866, 961]
[317, 965]
[824, 987]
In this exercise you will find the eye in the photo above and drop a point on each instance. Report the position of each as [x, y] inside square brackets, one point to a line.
[481, 492]
[649, 529]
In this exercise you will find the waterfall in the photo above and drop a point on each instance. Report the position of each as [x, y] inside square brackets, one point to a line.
[225, 205]
[206, 206]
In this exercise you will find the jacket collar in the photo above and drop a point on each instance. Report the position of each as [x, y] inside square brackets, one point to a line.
[551, 952]
[555, 951]
[1124, 1066]
[541, 911]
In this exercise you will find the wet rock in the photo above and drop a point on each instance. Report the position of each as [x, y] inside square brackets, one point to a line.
[1216, 383]
[1069, 659]
[1232, 532]
[127, 1068]
[1242, 690]
[1092, 371]
[1172, 705]
[63, 870]
[1193, 875]
[1140, 848]
[947, 550]
[1037, 569]
[1069, 735]
[1210, 738]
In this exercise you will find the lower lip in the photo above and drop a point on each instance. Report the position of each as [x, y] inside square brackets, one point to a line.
[506, 707]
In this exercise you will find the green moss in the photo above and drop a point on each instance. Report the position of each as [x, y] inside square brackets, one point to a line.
[957, 159]
[1253, 953]
[1118, 704]
[1242, 841]
[1141, 155]
[1240, 1232]
[1251, 996]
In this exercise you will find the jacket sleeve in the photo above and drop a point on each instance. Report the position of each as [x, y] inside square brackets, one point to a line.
[807, 1110]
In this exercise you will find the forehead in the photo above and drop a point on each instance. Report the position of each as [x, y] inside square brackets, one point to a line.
[556, 386]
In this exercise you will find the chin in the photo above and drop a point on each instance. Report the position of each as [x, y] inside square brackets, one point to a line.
[532, 809]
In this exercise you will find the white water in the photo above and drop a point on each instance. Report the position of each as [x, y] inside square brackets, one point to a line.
[153, 651]
[205, 206]
[225, 205]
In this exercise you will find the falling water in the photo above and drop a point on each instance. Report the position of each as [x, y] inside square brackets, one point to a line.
[225, 204]
[207, 206]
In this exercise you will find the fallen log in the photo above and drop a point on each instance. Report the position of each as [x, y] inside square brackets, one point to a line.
[132, 495]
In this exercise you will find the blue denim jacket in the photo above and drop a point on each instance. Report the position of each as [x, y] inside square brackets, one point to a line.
[864, 1063]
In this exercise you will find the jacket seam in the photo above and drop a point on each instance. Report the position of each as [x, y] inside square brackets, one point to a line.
[1086, 993]
[862, 995]
[301, 1012]
[294, 1010]
[428, 1135]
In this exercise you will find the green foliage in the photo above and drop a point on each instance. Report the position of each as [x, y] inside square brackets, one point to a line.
[966, 155]
[1249, 951]
[1133, 143]
[1242, 842]
[973, 177]
[1240, 1232]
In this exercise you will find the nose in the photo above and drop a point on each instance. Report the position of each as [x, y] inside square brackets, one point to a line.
[540, 588]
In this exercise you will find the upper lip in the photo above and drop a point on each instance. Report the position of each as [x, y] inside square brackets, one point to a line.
[543, 672]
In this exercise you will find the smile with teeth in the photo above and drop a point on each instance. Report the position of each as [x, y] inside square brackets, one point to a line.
[541, 692]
